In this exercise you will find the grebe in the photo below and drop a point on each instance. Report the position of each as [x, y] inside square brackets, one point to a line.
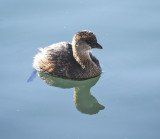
[70, 60]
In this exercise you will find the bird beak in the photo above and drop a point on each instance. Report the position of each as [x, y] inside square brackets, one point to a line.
[98, 46]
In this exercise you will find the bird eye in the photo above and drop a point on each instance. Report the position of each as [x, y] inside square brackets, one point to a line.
[88, 41]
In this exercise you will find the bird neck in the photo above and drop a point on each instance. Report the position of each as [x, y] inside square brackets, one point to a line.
[81, 56]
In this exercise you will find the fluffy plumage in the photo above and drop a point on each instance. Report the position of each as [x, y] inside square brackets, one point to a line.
[61, 60]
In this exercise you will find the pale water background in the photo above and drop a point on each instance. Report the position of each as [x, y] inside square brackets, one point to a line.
[129, 88]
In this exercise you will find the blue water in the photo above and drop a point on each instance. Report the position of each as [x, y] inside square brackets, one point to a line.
[129, 87]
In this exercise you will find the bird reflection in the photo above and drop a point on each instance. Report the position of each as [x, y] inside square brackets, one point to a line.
[84, 101]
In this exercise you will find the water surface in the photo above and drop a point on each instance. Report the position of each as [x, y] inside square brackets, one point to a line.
[129, 32]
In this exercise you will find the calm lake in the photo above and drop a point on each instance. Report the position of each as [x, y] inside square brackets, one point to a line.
[123, 103]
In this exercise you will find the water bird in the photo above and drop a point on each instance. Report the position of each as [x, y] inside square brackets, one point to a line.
[70, 60]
